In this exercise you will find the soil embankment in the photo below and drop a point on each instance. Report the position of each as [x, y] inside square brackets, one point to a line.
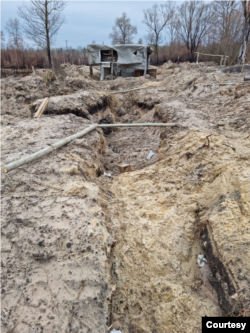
[81, 250]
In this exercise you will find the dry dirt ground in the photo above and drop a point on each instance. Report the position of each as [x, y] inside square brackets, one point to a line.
[86, 248]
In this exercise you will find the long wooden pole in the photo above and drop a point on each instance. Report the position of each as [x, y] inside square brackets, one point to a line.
[140, 125]
[213, 55]
[125, 91]
[47, 150]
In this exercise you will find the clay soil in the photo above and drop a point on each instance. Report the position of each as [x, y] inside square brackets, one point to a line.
[86, 248]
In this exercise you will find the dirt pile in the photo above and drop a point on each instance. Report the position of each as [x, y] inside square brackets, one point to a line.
[73, 71]
[55, 244]
[85, 247]
[159, 213]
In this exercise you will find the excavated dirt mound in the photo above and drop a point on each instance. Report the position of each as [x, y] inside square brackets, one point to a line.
[88, 249]
[55, 243]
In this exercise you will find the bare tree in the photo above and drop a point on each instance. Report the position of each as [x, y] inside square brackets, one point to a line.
[123, 30]
[156, 19]
[172, 36]
[172, 29]
[246, 31]
[2, 40]
[227, 29]
[140, 41]
[14, 30]
[15, 43]
[42, 20]
[194, 21]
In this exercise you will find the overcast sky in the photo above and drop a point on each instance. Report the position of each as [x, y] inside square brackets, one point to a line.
[87, 21]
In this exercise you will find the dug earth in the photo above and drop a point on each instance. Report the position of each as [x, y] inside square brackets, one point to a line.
[86, 248]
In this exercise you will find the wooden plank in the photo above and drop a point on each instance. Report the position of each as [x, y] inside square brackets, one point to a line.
[42, 108]
[91, 71]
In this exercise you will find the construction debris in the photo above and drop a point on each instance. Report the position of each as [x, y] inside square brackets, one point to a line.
[107, 174]
[201, 260]
[151, 153]
[42, 108]
[125, 168]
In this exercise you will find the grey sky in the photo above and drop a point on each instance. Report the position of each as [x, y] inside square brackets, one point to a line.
[87, 20]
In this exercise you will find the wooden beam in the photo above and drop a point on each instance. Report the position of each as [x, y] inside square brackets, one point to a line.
[42, 108]
[91, 71]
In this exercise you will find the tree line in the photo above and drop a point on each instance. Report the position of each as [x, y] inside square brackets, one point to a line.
[175, 32]
[218, 27]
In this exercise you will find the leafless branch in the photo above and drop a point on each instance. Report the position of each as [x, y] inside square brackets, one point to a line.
[123, 30]
[42, 20]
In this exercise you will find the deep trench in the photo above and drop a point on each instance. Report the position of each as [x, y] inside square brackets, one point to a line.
[205, 237]
[221, 274]
[215, 263]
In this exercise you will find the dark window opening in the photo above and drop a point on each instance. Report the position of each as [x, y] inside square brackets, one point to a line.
[109, 55]
[135, 53]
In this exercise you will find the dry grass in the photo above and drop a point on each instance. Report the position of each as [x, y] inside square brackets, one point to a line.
[49, 76]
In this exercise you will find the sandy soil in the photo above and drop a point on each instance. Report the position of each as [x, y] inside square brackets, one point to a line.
[85, 252]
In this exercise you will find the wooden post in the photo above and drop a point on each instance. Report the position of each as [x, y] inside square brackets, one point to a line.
[91, 71]
[197, 61]
[242, 68]
[146, 57]
[111, 64]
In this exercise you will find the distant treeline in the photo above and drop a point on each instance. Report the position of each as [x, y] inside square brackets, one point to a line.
[26, 58]
[175, 51]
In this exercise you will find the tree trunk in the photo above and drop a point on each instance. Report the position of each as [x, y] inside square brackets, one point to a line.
[49, 54]
[47, 34]
[243, 48]
[156, 50]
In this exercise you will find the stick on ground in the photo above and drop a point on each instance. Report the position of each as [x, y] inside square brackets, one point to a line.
[42, 108]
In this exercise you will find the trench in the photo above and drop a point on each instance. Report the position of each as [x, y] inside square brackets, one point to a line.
[148, 264]
[154, 264]
[146, 273]
[154, 269]
[157, 285]
[150, 292]
[221, 275]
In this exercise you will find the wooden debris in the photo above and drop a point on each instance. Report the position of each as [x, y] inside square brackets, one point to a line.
[247, 78]
[125, 167]
[79, 293]
[42, 108]
[227, 83]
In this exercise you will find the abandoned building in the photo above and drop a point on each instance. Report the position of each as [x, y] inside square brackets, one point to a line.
[124, 60]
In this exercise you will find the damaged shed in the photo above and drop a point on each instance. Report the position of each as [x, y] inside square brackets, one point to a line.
[124, 60]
